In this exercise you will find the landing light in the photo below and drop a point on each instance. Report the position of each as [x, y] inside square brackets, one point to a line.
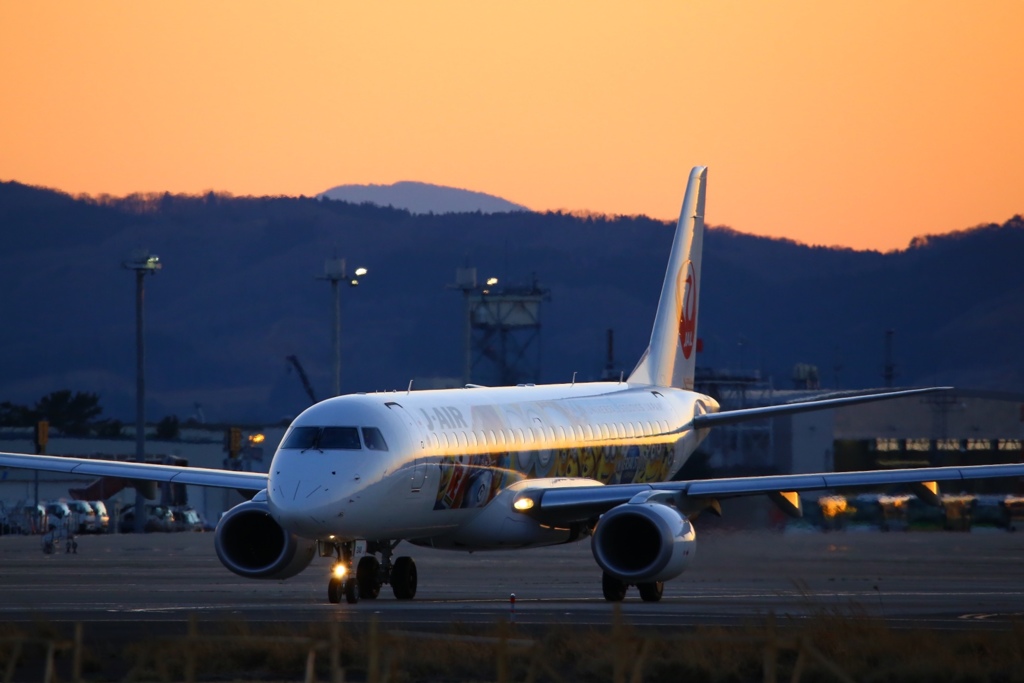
[339, 570]
[523, 504]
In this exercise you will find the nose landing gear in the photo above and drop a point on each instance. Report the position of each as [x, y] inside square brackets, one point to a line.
[342, 581]
[370, 573]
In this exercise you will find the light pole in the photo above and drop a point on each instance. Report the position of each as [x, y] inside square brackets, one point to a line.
[335, 272]
[142, 262]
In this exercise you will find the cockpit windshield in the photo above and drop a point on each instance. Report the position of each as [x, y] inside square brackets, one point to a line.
[374, 439]
[334, 438]
[302, 438]
[344, 438]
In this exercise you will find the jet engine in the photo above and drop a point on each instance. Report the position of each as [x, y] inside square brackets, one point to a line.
[252, 544]
[644, 542]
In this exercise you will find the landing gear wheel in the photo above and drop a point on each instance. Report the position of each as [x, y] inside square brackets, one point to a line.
[403, 578]
[351, 591]
[334, 590]
[651, 592]
[368, 577]
[614, 589]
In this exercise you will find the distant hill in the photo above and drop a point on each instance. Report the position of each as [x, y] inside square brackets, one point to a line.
[422, 198]
[238, 294]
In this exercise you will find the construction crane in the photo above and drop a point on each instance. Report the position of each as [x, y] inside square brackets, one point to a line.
[294, 360]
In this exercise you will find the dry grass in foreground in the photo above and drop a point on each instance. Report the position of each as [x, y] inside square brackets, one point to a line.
[830, 646]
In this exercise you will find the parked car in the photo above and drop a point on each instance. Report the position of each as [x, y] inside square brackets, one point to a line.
[102, 517]
[83, 517]
[58, 514]
[158, 518]
[28, 518]
[187, 519]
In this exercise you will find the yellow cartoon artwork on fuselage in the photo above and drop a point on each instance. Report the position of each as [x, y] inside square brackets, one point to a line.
[509, 432]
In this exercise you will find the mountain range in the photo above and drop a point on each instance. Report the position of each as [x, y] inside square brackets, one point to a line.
[422, 198]
[239, 293]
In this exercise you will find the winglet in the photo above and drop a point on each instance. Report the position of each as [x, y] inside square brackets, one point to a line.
[671, 357]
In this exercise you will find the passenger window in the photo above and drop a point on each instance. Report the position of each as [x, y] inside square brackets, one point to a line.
[589, 432]
[604, 431]
[519, 437]
[491, 439]
[579, 432]
[629, 430]
[301, 438]
[561, 434]
[341, 438]
[434, 441]
[373, 439]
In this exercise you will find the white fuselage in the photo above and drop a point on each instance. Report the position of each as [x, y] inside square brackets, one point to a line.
[417, 465]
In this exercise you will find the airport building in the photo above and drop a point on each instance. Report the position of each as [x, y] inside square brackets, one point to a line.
[957, 427]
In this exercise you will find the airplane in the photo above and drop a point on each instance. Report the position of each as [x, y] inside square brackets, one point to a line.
[491, 468]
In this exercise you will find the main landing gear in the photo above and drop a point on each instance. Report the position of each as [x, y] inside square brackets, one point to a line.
[370, 573]
[615, 589]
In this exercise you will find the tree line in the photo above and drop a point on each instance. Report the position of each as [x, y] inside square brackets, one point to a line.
[76, 414]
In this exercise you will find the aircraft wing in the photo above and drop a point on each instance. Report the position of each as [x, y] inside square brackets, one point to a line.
[563, 505]
[199, 476]
[744, 414]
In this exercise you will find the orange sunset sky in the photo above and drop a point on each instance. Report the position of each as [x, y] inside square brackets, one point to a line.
[860, 124]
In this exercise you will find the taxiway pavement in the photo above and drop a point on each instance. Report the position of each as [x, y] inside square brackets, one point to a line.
[914, 579]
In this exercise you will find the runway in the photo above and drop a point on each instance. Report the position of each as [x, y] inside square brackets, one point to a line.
[936, 580]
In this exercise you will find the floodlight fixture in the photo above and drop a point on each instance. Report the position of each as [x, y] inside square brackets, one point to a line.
[335, 271]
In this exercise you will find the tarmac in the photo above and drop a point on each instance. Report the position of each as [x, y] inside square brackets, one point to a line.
[933, 580]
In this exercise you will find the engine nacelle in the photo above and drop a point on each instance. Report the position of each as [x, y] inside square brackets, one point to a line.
[644, 542]
[252, 544]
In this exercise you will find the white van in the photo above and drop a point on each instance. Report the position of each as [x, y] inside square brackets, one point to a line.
[84, 517]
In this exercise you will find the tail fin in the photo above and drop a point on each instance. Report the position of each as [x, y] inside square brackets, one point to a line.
[671, 357]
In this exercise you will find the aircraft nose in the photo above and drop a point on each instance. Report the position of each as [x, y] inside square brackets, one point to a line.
[300, 504]
[310, 497]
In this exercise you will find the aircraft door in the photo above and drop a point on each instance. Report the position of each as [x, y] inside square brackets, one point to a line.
[418, 472]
